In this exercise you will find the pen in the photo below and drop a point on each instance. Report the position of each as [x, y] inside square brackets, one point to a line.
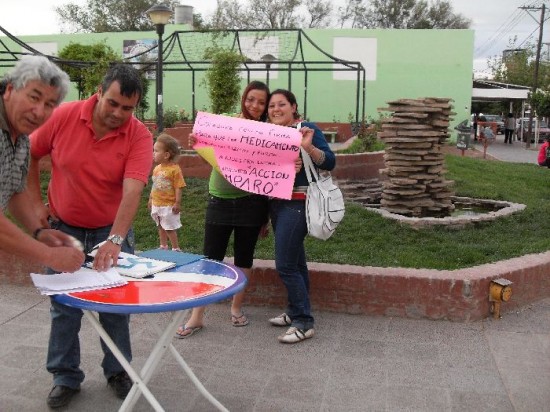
[90, 259]
[91, 255]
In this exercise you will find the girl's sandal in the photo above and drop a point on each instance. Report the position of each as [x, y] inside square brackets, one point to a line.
[238, 321]
[187, 331]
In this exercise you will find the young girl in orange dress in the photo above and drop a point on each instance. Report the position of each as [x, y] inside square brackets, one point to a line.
[165, 197]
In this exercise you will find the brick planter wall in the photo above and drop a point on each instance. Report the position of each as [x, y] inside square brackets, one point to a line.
[181, 134]
[456, 295]
[360, 166]
[343, 130]
[192, 165]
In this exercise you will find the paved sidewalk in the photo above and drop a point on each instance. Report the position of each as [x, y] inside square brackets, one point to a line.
[515, 152]
[354, 363]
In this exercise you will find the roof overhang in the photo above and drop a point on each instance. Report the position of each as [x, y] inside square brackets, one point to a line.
[500, 94]
[491, 90]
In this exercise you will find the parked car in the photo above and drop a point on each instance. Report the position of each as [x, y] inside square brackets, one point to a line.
[543, 129]
[497, 119]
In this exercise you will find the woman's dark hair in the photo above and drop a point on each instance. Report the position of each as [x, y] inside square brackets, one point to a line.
[291, 99]
[254, 85]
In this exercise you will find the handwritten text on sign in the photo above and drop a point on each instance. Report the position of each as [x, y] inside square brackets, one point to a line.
[253, 156]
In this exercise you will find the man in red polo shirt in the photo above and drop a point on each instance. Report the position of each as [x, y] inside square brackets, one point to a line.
[101, 159]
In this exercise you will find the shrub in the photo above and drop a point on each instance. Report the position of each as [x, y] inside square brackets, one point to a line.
[367, 140]
[171, 117]
[223, 79]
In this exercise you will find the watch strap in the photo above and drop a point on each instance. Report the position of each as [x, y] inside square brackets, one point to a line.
[116, 239]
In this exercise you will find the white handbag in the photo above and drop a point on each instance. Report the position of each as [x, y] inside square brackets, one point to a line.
[324, 201]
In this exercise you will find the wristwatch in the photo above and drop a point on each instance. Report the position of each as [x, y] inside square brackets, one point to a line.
[116, 239]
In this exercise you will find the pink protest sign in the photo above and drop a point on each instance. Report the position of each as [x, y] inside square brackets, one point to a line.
[253, 156]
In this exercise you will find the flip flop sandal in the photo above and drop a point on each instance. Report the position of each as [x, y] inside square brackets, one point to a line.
[239, 321]
[187, 331]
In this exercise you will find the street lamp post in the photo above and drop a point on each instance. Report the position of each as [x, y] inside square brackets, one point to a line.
[268, 59]
[160, 15]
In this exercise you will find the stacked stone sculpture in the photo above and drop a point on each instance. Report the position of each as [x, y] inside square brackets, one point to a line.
[413, 134]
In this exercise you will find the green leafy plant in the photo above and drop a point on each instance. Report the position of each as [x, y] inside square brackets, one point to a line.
[222, 78]
[173, 115]
[170, 117]
[99, 56]
[184, 115]
[143, 106]
[540, 101]
[367, 140]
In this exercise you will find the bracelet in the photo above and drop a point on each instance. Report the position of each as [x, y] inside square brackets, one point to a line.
[37, 232]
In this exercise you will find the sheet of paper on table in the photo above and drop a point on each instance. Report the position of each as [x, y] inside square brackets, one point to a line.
[81, 280]
[136, 266]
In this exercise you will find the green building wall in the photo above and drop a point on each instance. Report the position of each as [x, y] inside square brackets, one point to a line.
[408, 64]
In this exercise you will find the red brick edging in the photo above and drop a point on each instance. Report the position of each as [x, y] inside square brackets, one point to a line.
[456, 295]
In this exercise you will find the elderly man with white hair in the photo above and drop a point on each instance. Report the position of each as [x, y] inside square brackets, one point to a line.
[29, 94]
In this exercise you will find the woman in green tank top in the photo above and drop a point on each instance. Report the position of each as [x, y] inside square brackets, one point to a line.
[233, 211]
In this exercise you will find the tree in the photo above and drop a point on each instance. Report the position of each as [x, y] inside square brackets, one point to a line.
[143, 106]
[86, 64]
[229, 14]
[540, 101]
[517, 66]
[222, 79]
[199, 23]
[440, 16]
[319, 13]
[271, 14]
[387, 14]
[98, 16]
[402, 14]
[351, 12]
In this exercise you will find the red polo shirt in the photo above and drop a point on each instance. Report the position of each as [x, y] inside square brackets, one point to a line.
[85, 189]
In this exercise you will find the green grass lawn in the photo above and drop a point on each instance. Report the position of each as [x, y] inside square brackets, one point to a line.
[367, 239]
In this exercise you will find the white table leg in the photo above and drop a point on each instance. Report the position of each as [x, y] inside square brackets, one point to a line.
[154, 358]
[196, 381]
[141, 380]
[153, 361]
[138, 382]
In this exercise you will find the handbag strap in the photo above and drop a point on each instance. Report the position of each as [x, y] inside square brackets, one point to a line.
[311, 171]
